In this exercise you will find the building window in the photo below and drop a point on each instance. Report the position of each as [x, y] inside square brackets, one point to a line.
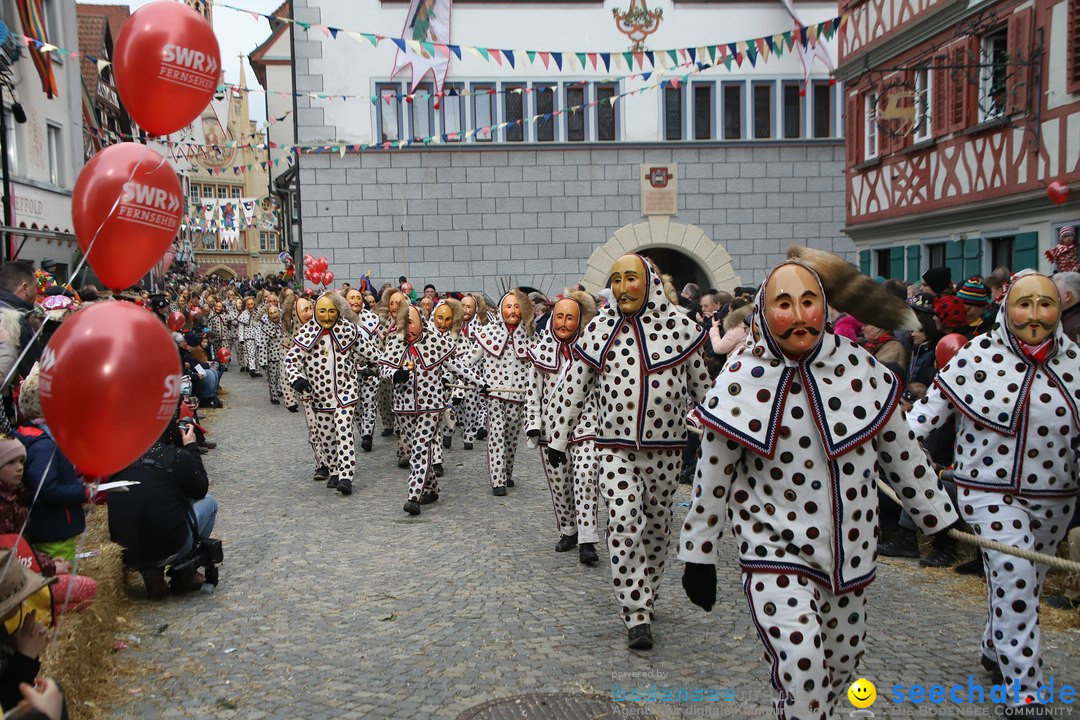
[56, 155]
[1001, 251]
[235, 192]
[514, 109]
[575, 113]
[993, 59]
[882, 261]
[421, 113]
[703, 111]
[545, 106]
[606, 118]
[935, 255]
[923, 113]
[452, 111]
[483, 111]
[763, 117]
[222, 192]
[733, 111]
[268, 241]
[194, 192]
[389, 112]
[53, 28]
[823, 110]
[673, 113]
[793, 110]
[870, 129]
[1072, 32]
[12, 142]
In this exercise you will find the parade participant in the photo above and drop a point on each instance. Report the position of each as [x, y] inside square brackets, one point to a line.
[323, 363]
[573, 485]
[233, 306]
[641, 427]
[387, 312]
[249, 333]
[270, 325]
[506, 364]
[298, 310]
[446, 319]
[426, 306]
[1015, 461]
[794, 431]
[369, 379]
[414, 360]
[218, 323]
[473, 418]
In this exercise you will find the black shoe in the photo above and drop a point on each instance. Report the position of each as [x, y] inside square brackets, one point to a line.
[686, 479]
[344, 487]
[365, 443]
[438, 469]
[639, 637]
[971, 567]
[991, 666]
[446, 441]
[1061, 602]
[902, 544]
[468, 445]
[403, 462]
[387, 432]
[566, 543]
[332, 482]
[498, 491]
[292, 408]
[275, 401]
[481, 433]
[587, 554]
[428, 498]
[322, 473]
[510, 482]
[942, 553]
[413, 508]
[208, 445]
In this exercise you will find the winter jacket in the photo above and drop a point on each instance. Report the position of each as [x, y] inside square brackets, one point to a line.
[58, 510]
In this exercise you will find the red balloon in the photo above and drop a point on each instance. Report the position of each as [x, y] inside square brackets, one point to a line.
[176, 321]
[118, 362]
[308, 259]
[947, 347]
[167, 66]
[1058, 192]
[223, 356]
[127, 202]
[319, 265]
[327, 278]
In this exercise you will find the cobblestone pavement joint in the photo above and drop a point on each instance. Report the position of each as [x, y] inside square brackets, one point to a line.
[334, 607]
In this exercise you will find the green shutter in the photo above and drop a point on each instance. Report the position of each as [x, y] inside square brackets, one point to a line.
[896, 263]
[914, 263]
[864, 262]
[972, 257]
[954, 258]
[1025, 251]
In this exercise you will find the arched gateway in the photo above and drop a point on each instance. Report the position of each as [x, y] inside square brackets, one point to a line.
[682, 251]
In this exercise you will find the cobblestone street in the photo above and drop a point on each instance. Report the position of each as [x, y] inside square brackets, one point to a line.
[334, 607]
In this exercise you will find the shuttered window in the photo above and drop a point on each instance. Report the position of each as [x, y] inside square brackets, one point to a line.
[1073, 43]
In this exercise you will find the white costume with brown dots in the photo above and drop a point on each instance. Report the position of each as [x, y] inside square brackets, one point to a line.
[218, 322]
[472, 415]
[790, 454]
[328, 359]
[506, 364]
[573, 484]
[232, 333]
[641, 430]
[1017, 435]
[250, 337]
[369, 385]
[271, 333]
[420, 400]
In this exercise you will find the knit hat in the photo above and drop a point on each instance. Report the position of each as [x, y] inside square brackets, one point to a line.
[192, 339]
[922, 302]
[29, 399]
[10, 449]
[1067, 231]
[938, 278]
[950, 310]
[973, 292]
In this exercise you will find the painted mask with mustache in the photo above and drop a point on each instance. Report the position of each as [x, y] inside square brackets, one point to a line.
[1033, 309]
[629, 284]
[794, 309]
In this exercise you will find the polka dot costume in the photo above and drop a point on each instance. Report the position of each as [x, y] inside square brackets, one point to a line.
[251, 338]
[271, 333]
[1017, 434]
[790, 457]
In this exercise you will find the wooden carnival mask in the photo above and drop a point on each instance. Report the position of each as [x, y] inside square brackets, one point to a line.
[355, 298]
[794, 309]
[565, 319]
[415, 326]
[326, 312]
[511, 310]
[629, 284]
[468, 308]
[443, 318]
[1033, 309]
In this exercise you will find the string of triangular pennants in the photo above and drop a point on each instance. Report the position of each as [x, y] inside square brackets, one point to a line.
[190, 150]
[211, 214]
[776, 43]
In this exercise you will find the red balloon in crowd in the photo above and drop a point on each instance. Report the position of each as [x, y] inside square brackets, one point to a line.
[167, 64]
[118, 362]
[308, 259]
[327, 278]
[223, 356]
[127, 202]
[176, 321]
[947, 347]
[1058, 192]
[320, 265]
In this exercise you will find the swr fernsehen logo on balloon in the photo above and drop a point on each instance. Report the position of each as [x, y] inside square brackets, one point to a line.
[188, 67]
[148, 205]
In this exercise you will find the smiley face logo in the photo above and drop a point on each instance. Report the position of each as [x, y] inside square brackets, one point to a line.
[862, 693]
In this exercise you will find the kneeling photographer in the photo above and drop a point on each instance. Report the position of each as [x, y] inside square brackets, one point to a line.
[168, 517]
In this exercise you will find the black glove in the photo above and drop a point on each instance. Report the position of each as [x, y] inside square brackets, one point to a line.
[555, 457]
[533, 433]
[292, 408]
[401, 376]
[699, 583]
[367, 371]
[485, 389]
[301, 385]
